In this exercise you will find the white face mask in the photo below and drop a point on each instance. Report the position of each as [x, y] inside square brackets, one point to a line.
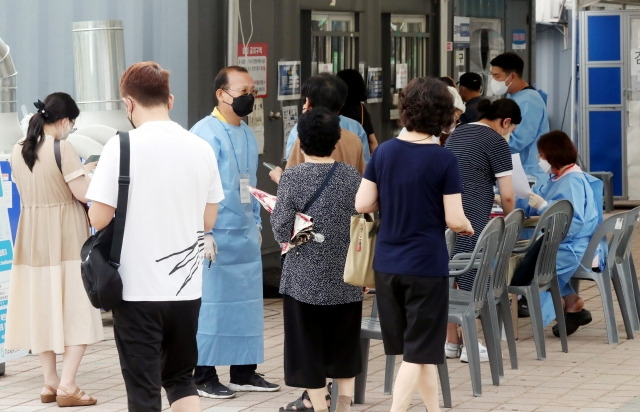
[499, 88]
[544, 165]
[66, 132]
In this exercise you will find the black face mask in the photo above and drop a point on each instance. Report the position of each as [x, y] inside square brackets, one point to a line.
[242, 105]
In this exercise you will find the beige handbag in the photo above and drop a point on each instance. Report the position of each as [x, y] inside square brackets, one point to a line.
[358, 269]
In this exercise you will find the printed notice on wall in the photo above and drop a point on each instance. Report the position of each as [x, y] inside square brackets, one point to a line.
[289, 80]
[289, 119]
[254, 59]
[634, 62]
[402, 73]
[255, 121]
[374, 84]
[461, 33]
[519, 40]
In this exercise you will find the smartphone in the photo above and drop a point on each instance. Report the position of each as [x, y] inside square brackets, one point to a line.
[92, 158]
[269, 166]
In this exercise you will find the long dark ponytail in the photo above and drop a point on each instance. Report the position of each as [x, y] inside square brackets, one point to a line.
[56, 106]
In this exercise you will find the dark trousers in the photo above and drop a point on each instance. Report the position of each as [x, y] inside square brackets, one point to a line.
[157, 347]
[239, 374]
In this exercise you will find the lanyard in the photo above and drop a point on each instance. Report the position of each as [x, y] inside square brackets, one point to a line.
[235, 156]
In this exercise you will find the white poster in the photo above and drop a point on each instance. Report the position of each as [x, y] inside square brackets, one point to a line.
[634, 62]
[325, 68]
[289, 80]
[253, 57]
[402, 75]
[289, 119]
[461, 32]
[255, 121]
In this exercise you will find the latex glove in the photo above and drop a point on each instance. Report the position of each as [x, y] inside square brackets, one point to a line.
[536, 201]
[210, 248]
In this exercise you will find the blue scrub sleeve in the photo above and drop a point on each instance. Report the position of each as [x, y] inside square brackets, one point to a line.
[293, 135]
[527, 131]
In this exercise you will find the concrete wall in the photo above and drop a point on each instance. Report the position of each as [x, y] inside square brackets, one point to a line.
[553, 74]
[39, 35]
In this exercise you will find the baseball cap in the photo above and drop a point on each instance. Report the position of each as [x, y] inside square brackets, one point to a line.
[470, 80]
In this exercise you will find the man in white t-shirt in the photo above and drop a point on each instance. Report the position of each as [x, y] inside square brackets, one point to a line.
[173, 201]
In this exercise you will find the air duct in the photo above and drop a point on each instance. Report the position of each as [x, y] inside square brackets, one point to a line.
[99, 62]
[10, 131]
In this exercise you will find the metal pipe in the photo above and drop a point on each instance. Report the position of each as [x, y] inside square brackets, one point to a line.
[99, 62]
[10, 131]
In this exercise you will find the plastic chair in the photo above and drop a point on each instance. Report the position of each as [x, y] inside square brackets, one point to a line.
[554, 226]
[371, 330]
[483, 258]
[626, 269]
[613, 226]
[450, 237]
[512, 227]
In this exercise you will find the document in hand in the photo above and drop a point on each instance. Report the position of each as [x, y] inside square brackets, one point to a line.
[520, 183]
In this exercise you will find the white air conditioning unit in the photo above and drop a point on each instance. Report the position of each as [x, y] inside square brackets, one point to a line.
[550, 11]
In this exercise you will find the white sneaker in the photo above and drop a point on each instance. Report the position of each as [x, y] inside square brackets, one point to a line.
[452, 350]
[484, 355]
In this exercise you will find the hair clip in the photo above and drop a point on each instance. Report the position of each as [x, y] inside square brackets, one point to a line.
[41, 108]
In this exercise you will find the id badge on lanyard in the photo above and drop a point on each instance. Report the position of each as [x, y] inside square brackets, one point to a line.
[245, 196]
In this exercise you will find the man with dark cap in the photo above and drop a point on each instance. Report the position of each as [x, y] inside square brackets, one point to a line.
[470, 86]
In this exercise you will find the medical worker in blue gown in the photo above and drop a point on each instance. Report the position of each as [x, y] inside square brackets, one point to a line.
[231, 323]
[506, 78]
[565, 181]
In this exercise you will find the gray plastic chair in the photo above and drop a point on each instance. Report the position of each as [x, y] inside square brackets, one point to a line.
[626, 269]
[612, 228]
[371, 330]
[554, 225]
[513, 224]
[483, 258]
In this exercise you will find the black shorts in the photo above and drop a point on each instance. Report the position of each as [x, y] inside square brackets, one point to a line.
[157, 347]
[413, 313]
[320, 342]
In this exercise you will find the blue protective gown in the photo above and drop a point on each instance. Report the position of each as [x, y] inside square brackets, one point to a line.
[575, 186]
[524, 139]
[231, 322]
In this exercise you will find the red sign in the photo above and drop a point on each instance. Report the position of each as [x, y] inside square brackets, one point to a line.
[253, 57]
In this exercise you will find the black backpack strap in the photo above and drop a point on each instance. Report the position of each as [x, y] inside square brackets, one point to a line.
[321, 188]
[123, 197]
[56, 153]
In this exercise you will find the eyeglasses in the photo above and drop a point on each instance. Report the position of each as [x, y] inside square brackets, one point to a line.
[243, 92]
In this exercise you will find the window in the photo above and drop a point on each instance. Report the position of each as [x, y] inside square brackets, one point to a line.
[409, 51]
[334, 42]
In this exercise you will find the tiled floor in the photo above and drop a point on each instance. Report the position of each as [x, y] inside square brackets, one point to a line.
[593, 376]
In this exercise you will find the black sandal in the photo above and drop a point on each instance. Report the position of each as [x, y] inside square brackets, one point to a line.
[298, 404]
[573, 321]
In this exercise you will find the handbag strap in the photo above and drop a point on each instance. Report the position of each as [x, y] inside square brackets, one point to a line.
[56, 153]
[123, 197]
[321, 188]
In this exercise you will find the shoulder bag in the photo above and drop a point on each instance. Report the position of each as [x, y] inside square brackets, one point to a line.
[101, 252]
[358, 268]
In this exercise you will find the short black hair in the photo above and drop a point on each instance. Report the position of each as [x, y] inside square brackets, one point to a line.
[471, 80]
[509, 62]
[426, 106]
[222, 80]
[325, 90]
[355, 83]
[318, 131]
[500, 109]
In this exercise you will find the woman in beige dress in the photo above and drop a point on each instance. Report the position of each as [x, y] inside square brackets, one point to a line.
[49, 312]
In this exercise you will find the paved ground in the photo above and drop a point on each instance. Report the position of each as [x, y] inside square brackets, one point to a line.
[593, 376]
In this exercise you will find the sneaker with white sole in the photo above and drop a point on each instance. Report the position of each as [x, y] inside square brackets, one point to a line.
[215, 391]
[452, 350]
[484, 355]
[255, 383]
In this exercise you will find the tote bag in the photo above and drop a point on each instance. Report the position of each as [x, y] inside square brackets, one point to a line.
[358, 268]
